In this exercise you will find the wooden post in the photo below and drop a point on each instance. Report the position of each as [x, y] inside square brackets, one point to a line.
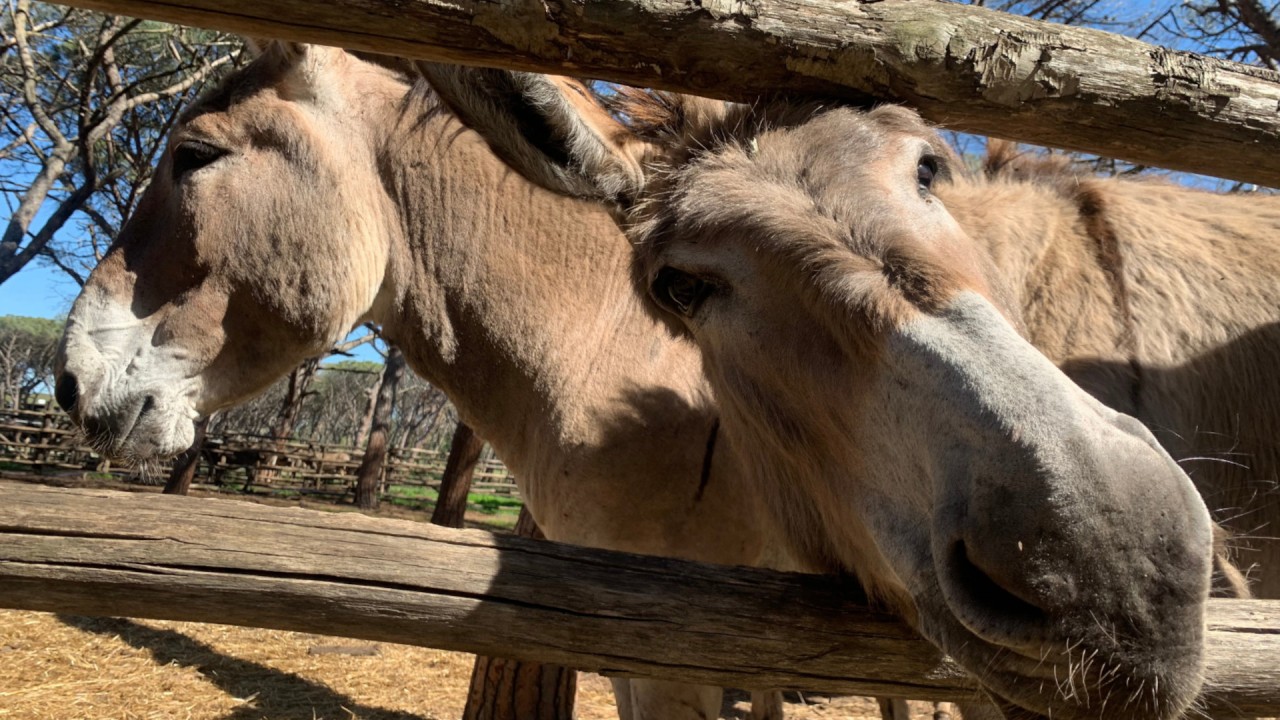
[455, 483]
[184, 466]
[503, 689]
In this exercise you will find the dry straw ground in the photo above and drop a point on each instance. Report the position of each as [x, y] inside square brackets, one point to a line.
[54, 667]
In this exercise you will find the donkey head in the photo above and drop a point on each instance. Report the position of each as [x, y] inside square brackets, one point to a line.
[872, 373]
[262, 239]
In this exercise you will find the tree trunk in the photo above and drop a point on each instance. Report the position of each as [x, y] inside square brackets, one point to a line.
[894, 709]
[503, 689]
[965, 67]
[369, 474]
[366, 422]
[464, 453]
[299, 382]
[184, 466]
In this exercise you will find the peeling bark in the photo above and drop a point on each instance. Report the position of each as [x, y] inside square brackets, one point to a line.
[964, 67]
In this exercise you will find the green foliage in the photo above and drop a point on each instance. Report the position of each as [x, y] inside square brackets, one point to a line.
[352, 366]
[33, 329]
[27, 349]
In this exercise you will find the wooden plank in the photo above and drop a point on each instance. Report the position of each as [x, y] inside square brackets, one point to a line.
[963, 66]
[171, 557]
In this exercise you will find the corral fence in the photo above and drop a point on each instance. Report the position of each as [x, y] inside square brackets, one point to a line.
[99, 552]
[966, 67]
[45, 442]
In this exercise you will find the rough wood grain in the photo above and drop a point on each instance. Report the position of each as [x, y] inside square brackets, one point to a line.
[160, 556]
[964, 67]
[506, 689]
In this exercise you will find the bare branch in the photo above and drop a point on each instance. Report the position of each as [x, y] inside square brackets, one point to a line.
[19, 139]
[116, 110]
[21, 17]
[57, 262]
[1260, 23]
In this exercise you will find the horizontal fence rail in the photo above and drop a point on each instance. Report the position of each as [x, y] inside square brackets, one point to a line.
[964, 67]
[99, 552]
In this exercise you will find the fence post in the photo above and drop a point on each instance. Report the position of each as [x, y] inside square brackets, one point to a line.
[504, 689]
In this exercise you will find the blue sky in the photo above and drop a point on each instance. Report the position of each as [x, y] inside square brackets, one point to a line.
[38, 290]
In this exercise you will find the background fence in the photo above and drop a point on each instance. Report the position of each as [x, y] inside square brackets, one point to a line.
[45, 443]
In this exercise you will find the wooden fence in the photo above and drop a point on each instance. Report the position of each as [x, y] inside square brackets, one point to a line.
[46, 442]
[962, 66]
[108, 553]
[965, 67]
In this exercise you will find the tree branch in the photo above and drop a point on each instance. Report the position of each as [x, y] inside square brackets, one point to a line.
[21, 18]
[57, 262]
[964, 67]
[1260, 23]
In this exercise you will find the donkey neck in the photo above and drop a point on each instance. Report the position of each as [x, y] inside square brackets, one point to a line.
[518, 303]
[1041, 246]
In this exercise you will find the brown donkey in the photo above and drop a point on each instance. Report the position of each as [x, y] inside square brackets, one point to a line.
[864, 307]
[314, 191]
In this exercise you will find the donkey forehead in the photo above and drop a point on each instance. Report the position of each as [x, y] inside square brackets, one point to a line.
[844, 142]
[842, 176]
[834, 198]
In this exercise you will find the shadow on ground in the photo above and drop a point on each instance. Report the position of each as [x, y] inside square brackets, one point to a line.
[277, 695]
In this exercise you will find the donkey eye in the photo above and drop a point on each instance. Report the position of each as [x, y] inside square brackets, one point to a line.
[926, 171]
[678, 291]
[191, 155]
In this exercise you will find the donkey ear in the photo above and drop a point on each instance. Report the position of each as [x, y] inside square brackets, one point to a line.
[551, 129]
[255, 46]
[306, 68]
[288, 52]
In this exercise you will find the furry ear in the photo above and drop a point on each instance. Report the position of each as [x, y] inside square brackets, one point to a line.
[553, 130]
[255, 46]
[682, 125]
[287, 51]
[305, 65]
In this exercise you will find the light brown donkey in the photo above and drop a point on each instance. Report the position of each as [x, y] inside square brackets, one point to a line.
[314, 191]
[863, 306]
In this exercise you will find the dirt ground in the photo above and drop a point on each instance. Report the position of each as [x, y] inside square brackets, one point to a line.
[55, 667]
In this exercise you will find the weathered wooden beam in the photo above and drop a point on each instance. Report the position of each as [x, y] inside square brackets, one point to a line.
[161, 556]
[962, 66]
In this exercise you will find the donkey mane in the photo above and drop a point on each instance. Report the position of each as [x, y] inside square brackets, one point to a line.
[686, 126]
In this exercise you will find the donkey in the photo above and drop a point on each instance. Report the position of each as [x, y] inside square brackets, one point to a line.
[864, 306]
[315, 190]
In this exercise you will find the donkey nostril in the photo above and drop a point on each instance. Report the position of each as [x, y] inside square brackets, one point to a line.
[989, 593]
[67, 391]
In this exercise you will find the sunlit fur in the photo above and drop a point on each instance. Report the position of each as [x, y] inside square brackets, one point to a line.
[863, 337]
[349, 193]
